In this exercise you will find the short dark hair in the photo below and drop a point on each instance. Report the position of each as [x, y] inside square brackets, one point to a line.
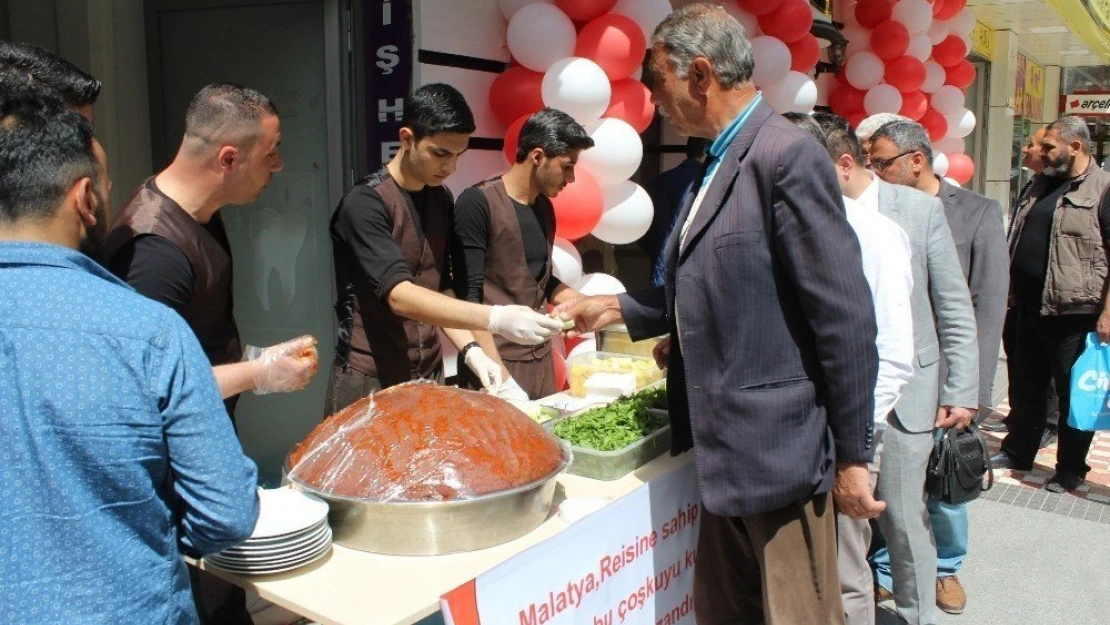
[437, 108]
[44, 149]
[72, 85]
[906, 135]
[555, 132]
[223, 110]
[808, 124]
[696, 147]
[839, 137]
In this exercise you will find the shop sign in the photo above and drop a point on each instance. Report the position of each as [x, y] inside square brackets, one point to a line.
[630, 563]
[1034, 91]
[1019, 87]
[982, 40]
[1087, 104]
[388, 59]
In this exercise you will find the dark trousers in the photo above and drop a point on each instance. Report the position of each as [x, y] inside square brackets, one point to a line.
[346, 386]
[1051, 401]
[777, 567]
[218, 602]
[1045, 348]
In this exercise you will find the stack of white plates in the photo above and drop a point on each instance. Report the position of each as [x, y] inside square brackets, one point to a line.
[292, 531]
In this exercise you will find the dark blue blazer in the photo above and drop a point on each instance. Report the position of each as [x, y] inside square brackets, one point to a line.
[772, 378]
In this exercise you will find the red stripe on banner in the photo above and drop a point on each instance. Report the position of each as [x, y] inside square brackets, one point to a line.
[463, 604]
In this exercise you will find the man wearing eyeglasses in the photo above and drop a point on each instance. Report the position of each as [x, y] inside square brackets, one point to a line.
[902, 154]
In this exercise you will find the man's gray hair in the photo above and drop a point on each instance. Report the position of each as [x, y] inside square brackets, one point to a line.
[869, 125]
[1072, 128]
[706, 30]
[906, 136]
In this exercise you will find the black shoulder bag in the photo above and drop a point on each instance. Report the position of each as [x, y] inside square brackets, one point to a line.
[957, 465]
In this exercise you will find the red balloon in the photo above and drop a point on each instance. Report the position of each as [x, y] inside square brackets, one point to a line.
[631, 102]
[960, 75]
[905, 74]
[515, 92]
[615, 42]
[854, 119]
[846, 100]
[804, 53]
[914, 105]
[585, 10]
[960, 168]
[871, 13]
[890, 40]
[560, 371]
[578, 207]
[790, 22]
[950, 9]
[938, 6]
[950, 51]
[935, 124]
[512, 138]
[759, 7]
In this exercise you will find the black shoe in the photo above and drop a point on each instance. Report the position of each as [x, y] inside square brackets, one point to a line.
[1002, 461]
[1063, 483]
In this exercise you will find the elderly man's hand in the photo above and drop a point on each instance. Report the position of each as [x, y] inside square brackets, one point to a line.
[590, 313]
[852, 492]
[1102, 327]
[949, 417]
[662, 352]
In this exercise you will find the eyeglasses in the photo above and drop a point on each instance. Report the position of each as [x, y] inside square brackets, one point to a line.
[880, 164]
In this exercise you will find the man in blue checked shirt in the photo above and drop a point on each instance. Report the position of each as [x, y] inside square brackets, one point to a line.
[116, 454]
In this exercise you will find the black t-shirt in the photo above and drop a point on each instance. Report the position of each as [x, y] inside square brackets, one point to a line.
[472, 220]
[1029, 266]
[362, 234]
[156, 269]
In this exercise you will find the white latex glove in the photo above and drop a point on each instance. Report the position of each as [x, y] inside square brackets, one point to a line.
[488, 371]
[523, 325]
[283, 367]
[512, 391]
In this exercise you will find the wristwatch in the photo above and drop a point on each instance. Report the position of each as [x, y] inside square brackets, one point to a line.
[468, 347]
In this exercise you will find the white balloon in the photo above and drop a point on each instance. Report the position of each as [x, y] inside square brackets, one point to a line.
[882, 99]
[920, 47]
[864, 70]
[599, 284]
[566, 262]
[950, 145]
[588, 345]
[960, 123]
[859, 40]
[953, 182]
[577, 86]
[616, 154]
[510, 7]
[934, 77]
[963, 23]
[627, 216]
[772, 60]
[940, 164]
[948, 100]
[794, 94]
[747, 20]
[539, 35]
[938, 32]
[825, 82]
[647, 13]
[916, 15]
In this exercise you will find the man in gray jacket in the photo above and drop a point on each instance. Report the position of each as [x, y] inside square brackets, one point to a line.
[976, 225]
[940, 293]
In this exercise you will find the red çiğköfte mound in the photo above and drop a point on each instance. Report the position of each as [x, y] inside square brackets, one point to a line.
[424, 442]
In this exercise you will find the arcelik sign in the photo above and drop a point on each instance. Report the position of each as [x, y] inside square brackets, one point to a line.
[1086, 104]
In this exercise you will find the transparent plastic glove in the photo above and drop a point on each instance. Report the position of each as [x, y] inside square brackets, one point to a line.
[488, 371]
[284, 367]
[511, 390]
[523, 325]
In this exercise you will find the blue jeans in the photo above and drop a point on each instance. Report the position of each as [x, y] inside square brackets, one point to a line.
[950, 532]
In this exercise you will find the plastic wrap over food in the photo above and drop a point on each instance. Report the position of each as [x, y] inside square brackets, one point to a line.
[424, 442]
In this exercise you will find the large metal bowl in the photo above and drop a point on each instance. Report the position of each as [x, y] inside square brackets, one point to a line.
[409, 528]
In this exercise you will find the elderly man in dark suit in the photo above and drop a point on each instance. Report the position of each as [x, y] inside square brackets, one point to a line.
[772, 336]
[976, 224]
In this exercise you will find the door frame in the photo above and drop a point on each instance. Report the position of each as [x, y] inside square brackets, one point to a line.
[337, 80]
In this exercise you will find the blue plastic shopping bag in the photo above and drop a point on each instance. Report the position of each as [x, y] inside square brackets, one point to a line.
[1090, 387]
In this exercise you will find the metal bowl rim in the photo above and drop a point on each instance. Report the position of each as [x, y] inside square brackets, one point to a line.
[568, 457]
